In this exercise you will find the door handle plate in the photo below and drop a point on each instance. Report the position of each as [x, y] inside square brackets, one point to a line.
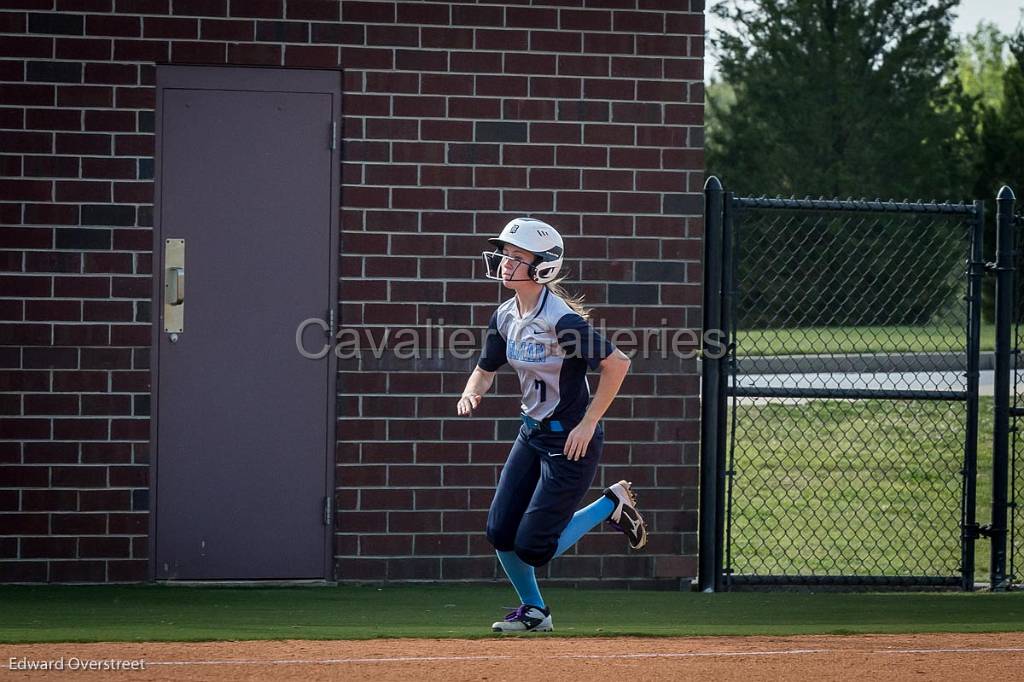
[174, 286]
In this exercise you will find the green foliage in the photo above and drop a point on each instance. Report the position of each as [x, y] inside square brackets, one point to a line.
[837, 97]
[981, 62]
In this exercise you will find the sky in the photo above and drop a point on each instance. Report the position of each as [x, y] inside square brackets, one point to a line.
[1003, 13]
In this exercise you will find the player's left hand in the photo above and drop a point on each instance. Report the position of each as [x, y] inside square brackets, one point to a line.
[578, 440]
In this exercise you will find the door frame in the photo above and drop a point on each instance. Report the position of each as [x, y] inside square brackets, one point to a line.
[255, 78]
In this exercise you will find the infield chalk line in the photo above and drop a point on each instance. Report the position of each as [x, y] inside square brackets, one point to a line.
[691, 654]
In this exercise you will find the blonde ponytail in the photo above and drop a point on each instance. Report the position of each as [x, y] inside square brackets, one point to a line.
[574, 301]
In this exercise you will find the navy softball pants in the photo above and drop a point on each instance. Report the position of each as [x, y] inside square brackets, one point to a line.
[538, 492]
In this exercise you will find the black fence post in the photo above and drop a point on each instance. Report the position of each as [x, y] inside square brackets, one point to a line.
[710, 547]
[968, 525]
[1001, 427]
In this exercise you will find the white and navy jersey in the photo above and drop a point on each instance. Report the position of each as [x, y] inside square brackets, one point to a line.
[550, 348]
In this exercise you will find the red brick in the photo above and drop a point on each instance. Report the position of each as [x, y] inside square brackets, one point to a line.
[117, 548]
[497, 86]
[474, 153]
[475, 15]
[608, 43]
[553, 133]
[417, 198]
[587, 65]
[531, 17]
[500, 40]
[640, 202]
[531, 64]
[424, 13]
[440, 545]
[624, 157]
[587, 20]
[466, 521]
[564, 88]
[445, 84]
[543, 110]
[459, 131]
[420, 107]
[415, 475]
[141, 50]
[639, 22]
[556, 41]
[499, 176]
[206, 8]
[393, 36]
[528, 155]
[369, 12]
[468, 199]
[131, 571]
[254, 53]
[104, 500]
[684, 114]
[582, 156]
[26, 46]
[32, 94]
[684, 69]
[367, 58]
[311, 56]
[608, 180]
[385, 499]
[662, 45]
[264, 9]
[23, 571]
[582, 202]
[313, 9]
[167, 27]
[691, 24]
[83, 49]
[476, 62]
[421, 60]
[128, 524]
[474, 107]
[448, 38]
[527, 200]
[26, 190]
[78, 571]
[391, 175]
[32, 143]
[52, 452]
[84, 96]
[48, 548]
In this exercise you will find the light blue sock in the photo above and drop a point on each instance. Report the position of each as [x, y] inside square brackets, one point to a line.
[582, 521]
[523, 578]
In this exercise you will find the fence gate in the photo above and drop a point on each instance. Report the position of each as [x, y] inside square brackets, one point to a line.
[840, 419]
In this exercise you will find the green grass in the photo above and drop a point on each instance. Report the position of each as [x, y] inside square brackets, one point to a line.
[131, 613]
[855, 488]
[892, 339]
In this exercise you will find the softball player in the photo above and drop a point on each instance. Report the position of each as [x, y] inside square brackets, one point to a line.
[543, 333]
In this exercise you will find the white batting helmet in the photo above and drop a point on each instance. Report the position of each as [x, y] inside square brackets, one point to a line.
[532, 235]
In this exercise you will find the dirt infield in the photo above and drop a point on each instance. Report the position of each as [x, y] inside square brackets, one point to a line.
[861, 657]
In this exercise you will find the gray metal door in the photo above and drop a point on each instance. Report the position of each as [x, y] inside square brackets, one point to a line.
[245, 248]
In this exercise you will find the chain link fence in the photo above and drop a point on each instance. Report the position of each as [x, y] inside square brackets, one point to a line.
[848, 405]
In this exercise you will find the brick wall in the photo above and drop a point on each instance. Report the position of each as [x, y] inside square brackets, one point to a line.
[457, 116]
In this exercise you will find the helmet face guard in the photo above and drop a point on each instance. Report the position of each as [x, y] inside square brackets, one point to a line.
[494, 260]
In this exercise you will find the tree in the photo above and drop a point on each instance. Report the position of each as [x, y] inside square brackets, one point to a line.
[996, 136]
[838, 98]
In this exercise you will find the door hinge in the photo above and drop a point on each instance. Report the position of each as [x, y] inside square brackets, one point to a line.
[328, 509]
[330, 323]
[334, 134]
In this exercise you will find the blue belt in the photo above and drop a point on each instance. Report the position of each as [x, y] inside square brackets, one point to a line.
[545, 425]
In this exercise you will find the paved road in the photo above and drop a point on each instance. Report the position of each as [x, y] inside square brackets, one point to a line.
[904, 381]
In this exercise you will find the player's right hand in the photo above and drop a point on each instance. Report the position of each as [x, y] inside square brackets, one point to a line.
[468, 403]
